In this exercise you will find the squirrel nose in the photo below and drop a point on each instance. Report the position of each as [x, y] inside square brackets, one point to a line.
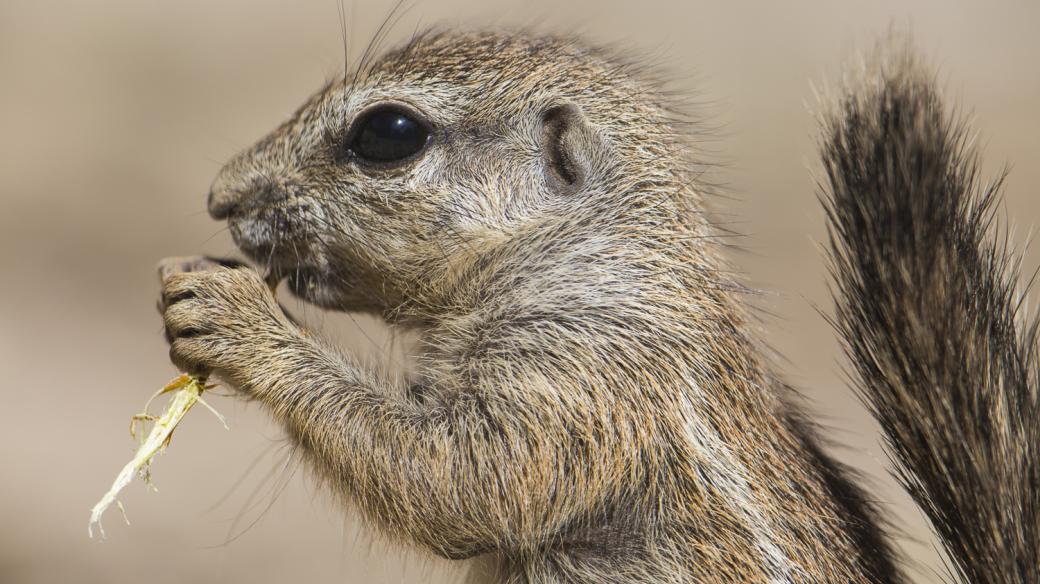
[225, 202]
[221, 203]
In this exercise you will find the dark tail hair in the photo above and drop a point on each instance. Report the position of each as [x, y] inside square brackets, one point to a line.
[931, 317]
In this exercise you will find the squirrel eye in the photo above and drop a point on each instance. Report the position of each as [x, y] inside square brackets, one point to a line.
[388, 134]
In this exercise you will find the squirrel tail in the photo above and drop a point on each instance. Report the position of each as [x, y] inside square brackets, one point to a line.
[931, 317]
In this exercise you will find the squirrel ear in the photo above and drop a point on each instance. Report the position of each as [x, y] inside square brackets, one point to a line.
[571, 147]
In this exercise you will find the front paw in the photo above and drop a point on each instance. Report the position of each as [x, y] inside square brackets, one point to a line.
[219, 317]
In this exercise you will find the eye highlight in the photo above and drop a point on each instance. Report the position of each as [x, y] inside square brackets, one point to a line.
[387, 134]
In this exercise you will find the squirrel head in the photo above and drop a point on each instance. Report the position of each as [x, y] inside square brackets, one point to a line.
[390, 181]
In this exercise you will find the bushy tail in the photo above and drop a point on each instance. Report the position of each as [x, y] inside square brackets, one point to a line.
[930, 314]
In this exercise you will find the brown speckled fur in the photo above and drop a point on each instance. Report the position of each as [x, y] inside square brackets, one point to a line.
[590, 405]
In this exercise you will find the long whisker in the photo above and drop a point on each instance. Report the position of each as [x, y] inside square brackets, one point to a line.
[341, 12]
[391, 20]
[289, 472]
[266, 451]
[215, 233]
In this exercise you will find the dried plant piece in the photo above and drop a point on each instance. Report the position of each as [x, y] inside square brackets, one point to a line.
[187, 390]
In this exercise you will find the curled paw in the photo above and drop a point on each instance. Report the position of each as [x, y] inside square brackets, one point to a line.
[219, 316]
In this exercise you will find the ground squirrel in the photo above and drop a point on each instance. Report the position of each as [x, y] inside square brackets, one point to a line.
[590, 404]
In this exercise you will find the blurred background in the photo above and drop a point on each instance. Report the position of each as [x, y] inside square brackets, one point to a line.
[116, 114]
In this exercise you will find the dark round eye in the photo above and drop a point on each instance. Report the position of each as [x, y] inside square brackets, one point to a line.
[388, 135]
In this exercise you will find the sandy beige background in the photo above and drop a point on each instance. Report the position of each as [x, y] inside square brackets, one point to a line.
[115, 115]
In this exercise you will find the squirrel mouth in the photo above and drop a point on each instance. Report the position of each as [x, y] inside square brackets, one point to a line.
[281, 240]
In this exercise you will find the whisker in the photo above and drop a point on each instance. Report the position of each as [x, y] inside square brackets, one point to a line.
[245, 474]
[391, 20]
[295, 460]
[215, 233]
